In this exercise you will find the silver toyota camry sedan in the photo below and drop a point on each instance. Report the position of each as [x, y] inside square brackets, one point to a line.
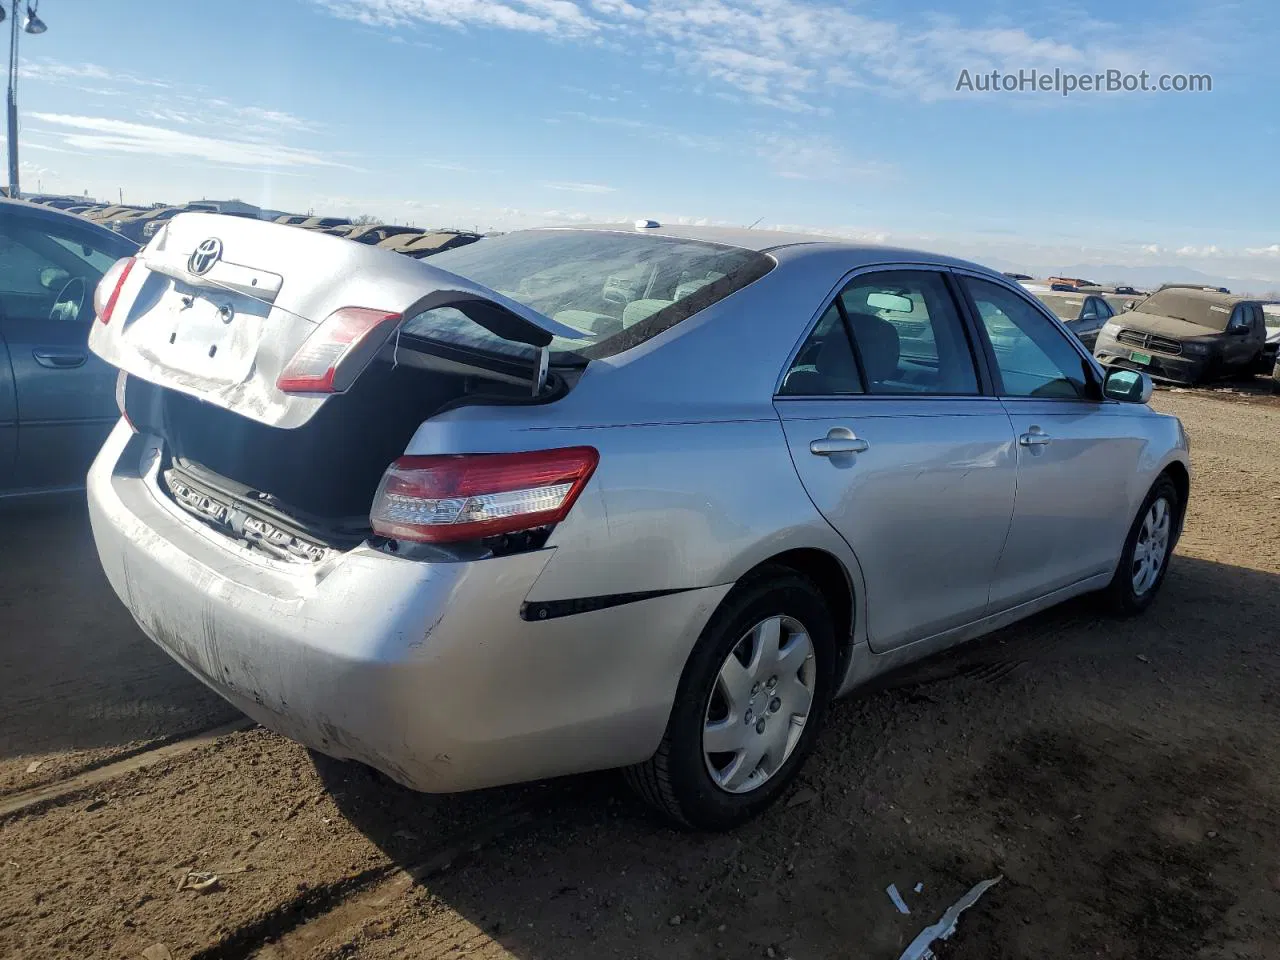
[572, 499]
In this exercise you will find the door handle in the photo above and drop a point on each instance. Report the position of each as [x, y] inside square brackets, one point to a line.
[1035, 437]
[58, 359]
[838, 440]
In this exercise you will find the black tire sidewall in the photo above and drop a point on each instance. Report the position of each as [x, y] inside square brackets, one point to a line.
[703, 804]
[1122, 590]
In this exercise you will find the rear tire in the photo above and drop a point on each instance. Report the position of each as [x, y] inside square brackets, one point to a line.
[716, 790]
[1147, 550]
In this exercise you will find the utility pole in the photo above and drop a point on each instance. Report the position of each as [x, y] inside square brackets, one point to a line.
[33, 25]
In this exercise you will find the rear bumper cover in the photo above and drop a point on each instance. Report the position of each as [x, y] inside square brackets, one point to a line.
[423, 670]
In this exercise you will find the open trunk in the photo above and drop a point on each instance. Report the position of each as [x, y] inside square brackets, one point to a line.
[314, 483]
[276, 366]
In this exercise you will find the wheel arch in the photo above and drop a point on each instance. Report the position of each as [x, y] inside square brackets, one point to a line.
[1177, 471]
[834, 581]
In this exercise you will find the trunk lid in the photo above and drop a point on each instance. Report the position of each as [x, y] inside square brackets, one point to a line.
[216, 307]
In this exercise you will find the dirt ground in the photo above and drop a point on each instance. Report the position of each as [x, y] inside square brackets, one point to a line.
[1122, 777]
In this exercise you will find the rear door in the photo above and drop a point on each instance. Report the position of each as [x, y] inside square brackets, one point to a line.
[64, 395]
[1077, 454]
[899, 448]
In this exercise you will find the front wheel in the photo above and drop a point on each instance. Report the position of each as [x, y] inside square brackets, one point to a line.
[748, 706]
[1147, 550]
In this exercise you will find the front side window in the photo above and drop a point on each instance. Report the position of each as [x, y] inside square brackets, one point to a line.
[1033, 357]
[49, 272]
[620, 289]
[908, 334]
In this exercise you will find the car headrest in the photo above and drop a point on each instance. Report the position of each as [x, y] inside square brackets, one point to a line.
[601, 324]
[834, 361]
[637, 310]
[879, 345]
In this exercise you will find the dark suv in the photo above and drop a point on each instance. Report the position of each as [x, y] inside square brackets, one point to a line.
[1187, 336]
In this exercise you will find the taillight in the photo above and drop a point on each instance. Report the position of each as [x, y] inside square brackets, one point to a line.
[441, 499]
[109, 287]
[337, 351]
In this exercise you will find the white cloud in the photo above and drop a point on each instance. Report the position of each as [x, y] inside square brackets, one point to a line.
[1271, 251]
[580, 187]
[51, 71]
[105, 135]
[559, 17]
[814, 157]
[796, 55]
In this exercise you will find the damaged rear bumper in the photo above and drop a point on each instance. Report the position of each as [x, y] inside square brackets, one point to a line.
[424, 670]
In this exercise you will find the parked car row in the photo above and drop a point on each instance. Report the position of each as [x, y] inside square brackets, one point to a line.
[140, 224]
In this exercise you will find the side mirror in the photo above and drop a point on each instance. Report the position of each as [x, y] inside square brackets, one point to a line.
[1130, 304]
[1127, 386]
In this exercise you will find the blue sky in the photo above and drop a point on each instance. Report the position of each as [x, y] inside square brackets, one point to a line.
[826, 116]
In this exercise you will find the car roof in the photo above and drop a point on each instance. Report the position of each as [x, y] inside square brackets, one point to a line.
[795, 244]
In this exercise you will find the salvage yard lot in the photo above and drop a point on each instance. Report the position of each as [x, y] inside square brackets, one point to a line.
[1122, 776]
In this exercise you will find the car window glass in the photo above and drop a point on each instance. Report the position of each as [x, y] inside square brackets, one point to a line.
[1104, 309]
[1034, 358]
[1090, 309]
[47, 277]
[619, 289]
[825, 365]
[908, 334]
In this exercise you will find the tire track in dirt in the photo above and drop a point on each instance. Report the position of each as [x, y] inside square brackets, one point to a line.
[303, 926]
[41, 798]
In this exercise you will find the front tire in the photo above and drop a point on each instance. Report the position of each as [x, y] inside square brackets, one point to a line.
[749, 705]
[1147, 550]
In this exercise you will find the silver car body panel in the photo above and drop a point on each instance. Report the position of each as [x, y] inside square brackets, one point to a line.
[427, 670]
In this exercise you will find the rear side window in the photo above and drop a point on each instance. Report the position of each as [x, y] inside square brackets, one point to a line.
[1035, 358]
[620, 289]
[825, 365]
[908, 334]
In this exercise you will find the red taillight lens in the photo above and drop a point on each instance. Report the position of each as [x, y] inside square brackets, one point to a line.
[450, 498]
[337, 351]
[109, 287]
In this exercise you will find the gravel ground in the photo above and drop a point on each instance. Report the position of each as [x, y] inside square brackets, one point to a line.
[1121, 776]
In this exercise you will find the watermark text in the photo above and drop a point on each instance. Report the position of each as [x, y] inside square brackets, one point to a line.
[1065, 83]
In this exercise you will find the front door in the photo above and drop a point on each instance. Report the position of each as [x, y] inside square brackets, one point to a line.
[65, 395]
[900, 451]
[1077, 458]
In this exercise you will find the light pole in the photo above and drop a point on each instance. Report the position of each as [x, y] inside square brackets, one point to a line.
[34, 25]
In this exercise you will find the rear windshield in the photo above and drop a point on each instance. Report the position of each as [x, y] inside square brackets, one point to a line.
[619, 289]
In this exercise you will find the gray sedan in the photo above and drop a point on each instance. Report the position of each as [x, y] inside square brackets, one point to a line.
[572, 499]
[57, 400]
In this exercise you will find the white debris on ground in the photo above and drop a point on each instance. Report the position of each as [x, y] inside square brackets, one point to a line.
[921, 948]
